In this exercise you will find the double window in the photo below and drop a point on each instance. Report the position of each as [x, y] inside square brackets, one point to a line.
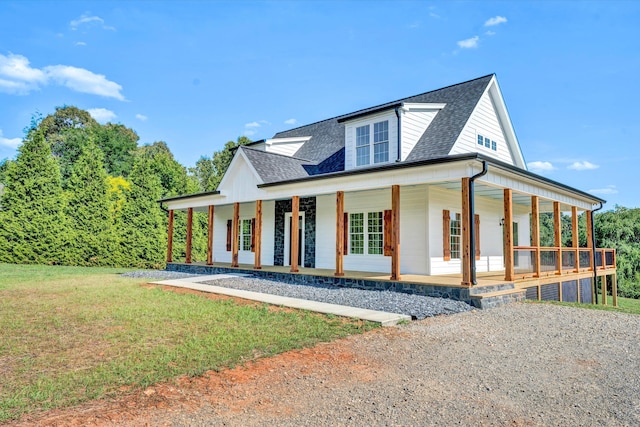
[380, 148]
[366, 233]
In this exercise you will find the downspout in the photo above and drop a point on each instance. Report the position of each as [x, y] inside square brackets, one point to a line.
[163, 208]
[399, 148]
[593, 246]
[472, 223]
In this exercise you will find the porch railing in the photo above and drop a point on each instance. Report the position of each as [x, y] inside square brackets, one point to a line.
[533, 261]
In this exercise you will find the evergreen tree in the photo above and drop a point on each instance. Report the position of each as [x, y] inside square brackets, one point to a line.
[88, 210]
[141, 226]
[32, 222]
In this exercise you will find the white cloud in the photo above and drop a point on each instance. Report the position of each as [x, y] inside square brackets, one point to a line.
[609, 189]
[80, 44]
[490, 33]
[539, 166]
[102, 115]
[141, 117]
[9, 142]
[19, 78]
[496, 20]
[252, 125]
[434, 15]
[86, 19]
[249, 132]
[582, 166]
[291, 121]
[469, 43]
[84, 81]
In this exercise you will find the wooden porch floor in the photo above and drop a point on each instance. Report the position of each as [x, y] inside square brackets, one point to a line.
[449, 280]
[492, 278]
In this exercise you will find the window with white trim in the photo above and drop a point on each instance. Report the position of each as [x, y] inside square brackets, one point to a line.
[362, 145]
[244, 234]
[379, 150]
[366, 238]
[455, 234]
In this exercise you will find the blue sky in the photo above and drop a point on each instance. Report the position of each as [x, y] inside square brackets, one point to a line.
[197, 74]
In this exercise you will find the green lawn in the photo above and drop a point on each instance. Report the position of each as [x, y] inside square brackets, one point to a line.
[71, 334]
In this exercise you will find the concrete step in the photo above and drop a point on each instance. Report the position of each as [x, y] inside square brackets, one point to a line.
[497, 298]
[486, 289]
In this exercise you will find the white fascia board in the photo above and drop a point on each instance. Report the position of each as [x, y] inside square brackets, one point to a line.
[530, 186]
[287, 140]
[451, 171]
[194, 202]
[234, 161]
[505, 121]
[417, 106]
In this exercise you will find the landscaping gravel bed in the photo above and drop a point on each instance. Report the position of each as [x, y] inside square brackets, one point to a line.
[157, 274]
[416, 306]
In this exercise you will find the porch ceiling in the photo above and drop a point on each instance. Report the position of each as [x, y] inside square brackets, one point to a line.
[496, 193]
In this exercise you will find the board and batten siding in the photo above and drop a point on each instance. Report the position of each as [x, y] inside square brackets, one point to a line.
[413, 125]
[490, 212]
[247, 211]
[350, 137]
[484, 121]
[413, 229]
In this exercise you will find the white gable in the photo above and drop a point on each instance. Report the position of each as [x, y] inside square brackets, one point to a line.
[416, 118]
[491, 121]
[240, 182]
[284, 146]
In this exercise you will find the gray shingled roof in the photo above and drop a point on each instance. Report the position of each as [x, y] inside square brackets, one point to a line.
[274, 167]
[324, 152]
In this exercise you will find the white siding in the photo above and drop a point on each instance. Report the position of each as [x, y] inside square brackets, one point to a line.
[367, 201]
[284, 148]
[247, 211]
[326, 232]
[414, 123]
[414, 239]
[490, 212]
[484, 121]
[350, 137]
[240, 183]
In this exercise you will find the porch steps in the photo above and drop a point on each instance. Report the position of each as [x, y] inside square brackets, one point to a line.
[489, 296]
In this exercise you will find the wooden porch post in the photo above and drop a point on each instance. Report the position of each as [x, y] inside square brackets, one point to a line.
[395, 232]
[339, 234]
[295, 207]
[257, 232]
[535, 232]
[557, 235]
[604, 289]
[189, 234]
[590, 240]
[614, 289]
[235, 234]
[575, 241]
[466, 234]
[210, 236]
[508, 235]
[170, 238]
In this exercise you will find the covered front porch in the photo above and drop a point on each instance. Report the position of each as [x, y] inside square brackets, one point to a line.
[483, 234]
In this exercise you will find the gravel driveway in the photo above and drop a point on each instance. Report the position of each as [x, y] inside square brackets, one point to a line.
[522, 364]
[517, 365]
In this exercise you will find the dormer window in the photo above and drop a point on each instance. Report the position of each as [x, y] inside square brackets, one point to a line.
[380, 145]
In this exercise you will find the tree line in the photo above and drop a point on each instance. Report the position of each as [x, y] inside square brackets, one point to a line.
[83, 193]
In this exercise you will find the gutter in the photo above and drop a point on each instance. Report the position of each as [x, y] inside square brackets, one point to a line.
[162, 206]
[399, 156]
[593, 246]
[472, 223]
